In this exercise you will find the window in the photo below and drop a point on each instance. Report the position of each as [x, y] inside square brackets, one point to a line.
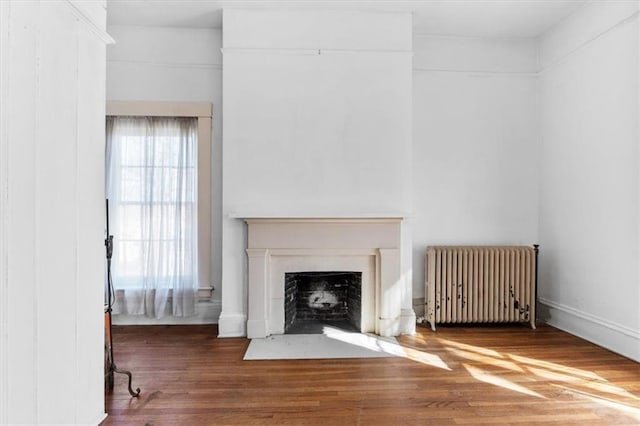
[159, 197]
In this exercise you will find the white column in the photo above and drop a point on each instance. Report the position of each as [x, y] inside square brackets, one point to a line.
[233, 318]
[391, 290]
[257, 323]
[407, 314]
[4, 96]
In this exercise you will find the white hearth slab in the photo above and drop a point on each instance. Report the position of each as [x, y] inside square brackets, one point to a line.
[331, 344]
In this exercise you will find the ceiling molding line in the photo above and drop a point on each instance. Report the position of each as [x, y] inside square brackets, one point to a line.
[558, 61]
[354, 9]
[311, 52]
[561, 21]
[90, 24]
[531, 74]
[172, 27]
[470, 37]
[166, 64]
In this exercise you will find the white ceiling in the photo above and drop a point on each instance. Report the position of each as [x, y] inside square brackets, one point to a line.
[476, 18]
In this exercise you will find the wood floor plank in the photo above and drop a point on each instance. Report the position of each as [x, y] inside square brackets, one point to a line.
[457, 375]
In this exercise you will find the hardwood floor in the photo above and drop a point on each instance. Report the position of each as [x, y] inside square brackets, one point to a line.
[457, 375]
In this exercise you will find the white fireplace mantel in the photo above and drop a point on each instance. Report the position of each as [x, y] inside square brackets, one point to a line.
[370, 245]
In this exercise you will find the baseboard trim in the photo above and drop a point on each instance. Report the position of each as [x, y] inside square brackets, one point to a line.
[419, 306]
[101, 418]
[610, 335]
[232, 325]
[207, 312]
[407, 321]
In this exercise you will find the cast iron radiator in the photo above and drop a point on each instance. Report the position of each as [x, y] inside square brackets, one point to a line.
[480, 284]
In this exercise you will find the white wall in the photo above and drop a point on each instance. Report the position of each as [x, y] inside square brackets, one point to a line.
[52, 73]
[181, 65]
[321, 117]
[317, 110]
[475, 155]
[589, 216]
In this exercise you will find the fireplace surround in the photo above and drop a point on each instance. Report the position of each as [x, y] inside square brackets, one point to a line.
[367, 246]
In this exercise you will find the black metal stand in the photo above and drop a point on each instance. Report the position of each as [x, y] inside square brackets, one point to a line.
[110, 366]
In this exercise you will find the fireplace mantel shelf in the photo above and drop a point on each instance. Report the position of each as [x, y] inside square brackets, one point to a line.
[251, 216]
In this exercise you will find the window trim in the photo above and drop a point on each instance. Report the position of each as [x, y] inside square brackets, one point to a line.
[203, 111]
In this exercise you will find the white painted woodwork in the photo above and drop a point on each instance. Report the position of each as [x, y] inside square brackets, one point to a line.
[160, 109]
[4, 195]
[90, 176]
[369, 246]
[52, 220]
[281, 261]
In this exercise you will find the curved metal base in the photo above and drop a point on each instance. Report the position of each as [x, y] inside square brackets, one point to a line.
[111, 368]
[128, 373]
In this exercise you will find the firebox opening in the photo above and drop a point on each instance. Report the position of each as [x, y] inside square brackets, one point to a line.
[314, 300]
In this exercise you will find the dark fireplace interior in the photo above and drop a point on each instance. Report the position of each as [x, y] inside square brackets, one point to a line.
[314, 300]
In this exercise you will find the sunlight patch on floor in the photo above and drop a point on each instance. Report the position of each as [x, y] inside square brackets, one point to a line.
[486, 377]
[630, 410]
[593, 385]
[598, 386]
[557, 367]
[472, 356]
[471, 348]
[367, 341]
[425, 358]
[389, 346]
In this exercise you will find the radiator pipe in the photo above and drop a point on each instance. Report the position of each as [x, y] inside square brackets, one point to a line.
[536, 249]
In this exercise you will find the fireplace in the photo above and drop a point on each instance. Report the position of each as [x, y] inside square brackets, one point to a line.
[314, 300]
[369, 248]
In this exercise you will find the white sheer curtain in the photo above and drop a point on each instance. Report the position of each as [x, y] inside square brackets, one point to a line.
[151, 187]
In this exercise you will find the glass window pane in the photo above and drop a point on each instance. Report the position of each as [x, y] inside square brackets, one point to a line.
[132, 153]
[130, 222]
[132, 179]
[129, 257]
